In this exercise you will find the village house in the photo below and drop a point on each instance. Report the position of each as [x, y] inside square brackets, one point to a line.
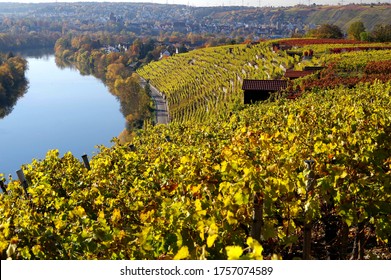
[165, 54]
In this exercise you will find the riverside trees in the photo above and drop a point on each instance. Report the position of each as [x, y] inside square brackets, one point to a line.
[12, 81]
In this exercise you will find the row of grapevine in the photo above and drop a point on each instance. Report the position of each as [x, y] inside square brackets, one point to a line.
[317, 46]
[356, 61]
[202, 82]
[349, 69]
[186, 190]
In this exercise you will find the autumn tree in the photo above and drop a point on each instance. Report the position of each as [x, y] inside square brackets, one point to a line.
[329, 31]
[133, 99]
[355, 30]
[115, 71]
[381, 33]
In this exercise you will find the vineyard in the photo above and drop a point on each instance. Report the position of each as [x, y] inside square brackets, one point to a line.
[204, 82]
[349, 69]
[308, 178]
[189, 190]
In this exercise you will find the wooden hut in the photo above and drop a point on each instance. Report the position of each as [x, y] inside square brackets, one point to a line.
[258, 90]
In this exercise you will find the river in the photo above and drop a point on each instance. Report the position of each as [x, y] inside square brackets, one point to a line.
[61, 110]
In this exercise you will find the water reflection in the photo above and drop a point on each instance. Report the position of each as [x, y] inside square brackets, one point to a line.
[9, 98]
[13, 84]
[126, 87]
[61, 110]
[44, 53]
[63, 64]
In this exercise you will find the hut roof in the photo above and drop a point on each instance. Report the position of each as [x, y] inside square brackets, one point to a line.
[264, 85]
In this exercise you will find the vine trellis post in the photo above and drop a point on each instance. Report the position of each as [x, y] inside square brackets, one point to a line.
[22, 180]
[307, 221]
[256, 228]
[3, 187]
[86, 162]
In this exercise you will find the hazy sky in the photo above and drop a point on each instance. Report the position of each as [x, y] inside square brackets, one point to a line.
[221, 2]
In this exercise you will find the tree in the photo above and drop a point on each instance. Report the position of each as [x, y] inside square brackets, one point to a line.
[364, 36]
[381, 33]
[355, 30]
[329, 31]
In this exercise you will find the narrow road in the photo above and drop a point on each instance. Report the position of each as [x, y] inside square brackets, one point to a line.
[161, 107]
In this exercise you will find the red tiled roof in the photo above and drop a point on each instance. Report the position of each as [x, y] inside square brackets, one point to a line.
[266, 85]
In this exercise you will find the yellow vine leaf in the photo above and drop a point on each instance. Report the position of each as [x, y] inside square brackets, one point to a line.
[231, 218]
[183, 253]
[234, 252]
[256, 249]
[116, 216]
[211, 240]
[200, 228]
[212, 235]
[198, 207]
[79, 211]
[276, 257]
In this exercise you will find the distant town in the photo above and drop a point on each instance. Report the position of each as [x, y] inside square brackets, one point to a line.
[155, 19]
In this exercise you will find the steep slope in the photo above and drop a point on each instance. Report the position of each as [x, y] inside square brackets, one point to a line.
[205, 81]
[344, 16]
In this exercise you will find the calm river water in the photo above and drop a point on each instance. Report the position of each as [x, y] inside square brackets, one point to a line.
[61, 110]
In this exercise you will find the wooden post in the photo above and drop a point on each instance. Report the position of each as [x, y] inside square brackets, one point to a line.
[358, 246]
[307, 241]
[22, 180]
[86, 162]
[256, 228]
[2, 186]
[343, 241]
[307, 222]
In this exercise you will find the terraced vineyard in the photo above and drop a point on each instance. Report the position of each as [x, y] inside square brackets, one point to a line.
[204, 82]
[350, 69]
[208, 81]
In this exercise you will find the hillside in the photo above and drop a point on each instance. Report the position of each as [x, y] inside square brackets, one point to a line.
[205, 82]
[302, 16]
[344, 16]
[309, 16]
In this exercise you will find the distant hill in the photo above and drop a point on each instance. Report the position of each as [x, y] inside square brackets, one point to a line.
[342, 16]
[231, 20]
